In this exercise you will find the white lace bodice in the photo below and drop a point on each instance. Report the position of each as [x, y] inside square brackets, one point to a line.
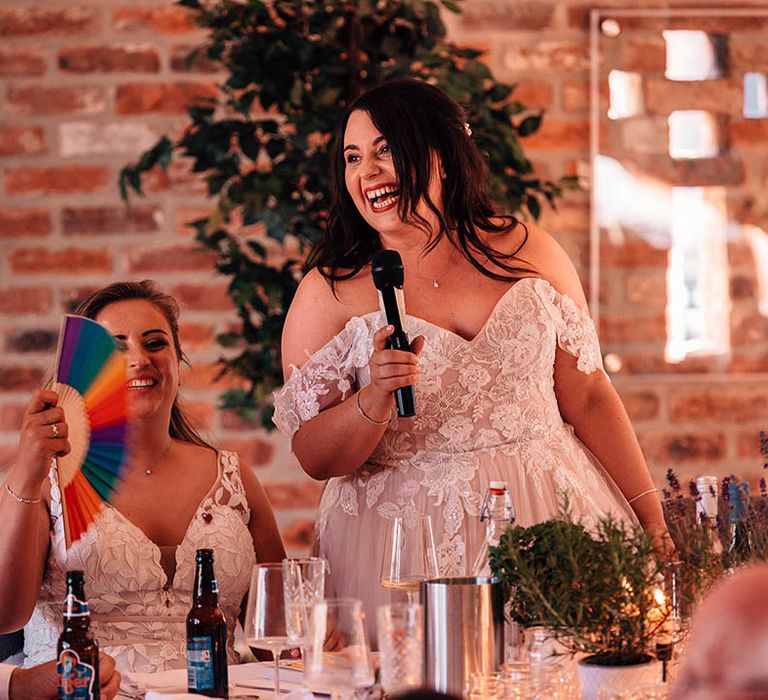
[137, 615]
[486, 410]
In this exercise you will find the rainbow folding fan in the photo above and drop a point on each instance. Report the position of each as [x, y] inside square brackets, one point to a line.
[91, 384]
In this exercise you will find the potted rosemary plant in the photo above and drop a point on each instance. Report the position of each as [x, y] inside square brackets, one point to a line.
[596, 592]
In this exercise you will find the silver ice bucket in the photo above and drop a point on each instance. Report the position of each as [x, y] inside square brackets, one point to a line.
[463, 630]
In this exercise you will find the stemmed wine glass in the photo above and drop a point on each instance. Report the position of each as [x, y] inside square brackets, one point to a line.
[303, 585]
[409, 555]
[338, 659]
[265, 626]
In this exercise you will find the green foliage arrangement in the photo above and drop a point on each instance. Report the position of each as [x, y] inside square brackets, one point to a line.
[263, 145]
[593, 591]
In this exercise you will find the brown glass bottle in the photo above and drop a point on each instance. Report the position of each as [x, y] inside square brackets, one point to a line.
[77, 650]
[206, 634]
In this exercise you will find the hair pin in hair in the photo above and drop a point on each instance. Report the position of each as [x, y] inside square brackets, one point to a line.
[467, 130]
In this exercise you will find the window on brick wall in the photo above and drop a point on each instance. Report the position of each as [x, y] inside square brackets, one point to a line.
[692, 134]
[698, 300]
[691, 55]
[626, 94]
[755, 96]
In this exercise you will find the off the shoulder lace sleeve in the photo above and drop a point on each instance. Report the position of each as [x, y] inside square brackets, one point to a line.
[576, 333]
[325, 378]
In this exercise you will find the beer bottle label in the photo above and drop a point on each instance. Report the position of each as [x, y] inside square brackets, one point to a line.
[200, 674]
[76, 678]
[74, 607]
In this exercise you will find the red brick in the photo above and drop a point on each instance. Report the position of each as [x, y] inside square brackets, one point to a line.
[56, 179]
[24, 300]
[207, 375]
[110, 220]
[719, 404]
[56, 100]
[132, 58]
[633, 253]
[570, 215]
[576, 95]
[12, 416]
[644, 54]
[35, 20]
[17, 139]
[294, 495]
[647, 289]
[67, 260]
[122, 137]
[232, 420]
[24, 222]
[641, 405]
[697, 172]
[546, 56]
[748, 132]
[740, 254]
[17, 62]
[254, 452]
[185, 58]
[748, 56]
[299, 535]
[165, 20]
[722, 96]
[556, 134]
[195, 336]
[30, 339]
[185, 215]
[620, 329]
[178, 178]
[203, 297]
[748, 445]
[517, 16]
[748, 362]
[743, 287]
[174, 258]
[72, 296]
[162, 98]
[749, 327]
[16, 378]
[578, 17]
[682, 447]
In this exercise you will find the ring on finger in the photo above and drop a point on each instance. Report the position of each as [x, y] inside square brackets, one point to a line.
[54, 430]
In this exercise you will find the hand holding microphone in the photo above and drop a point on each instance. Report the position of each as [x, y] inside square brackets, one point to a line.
[394, 369]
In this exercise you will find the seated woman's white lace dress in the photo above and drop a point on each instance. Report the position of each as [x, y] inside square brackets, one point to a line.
[137, 615]
[486, 411]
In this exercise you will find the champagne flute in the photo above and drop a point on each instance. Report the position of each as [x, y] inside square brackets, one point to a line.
[303, 584]
[409, 555]
[265, 626]
[338, 657]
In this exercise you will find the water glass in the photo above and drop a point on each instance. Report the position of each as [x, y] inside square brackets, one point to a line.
[400, 629]
[303, 585]
[338, 659]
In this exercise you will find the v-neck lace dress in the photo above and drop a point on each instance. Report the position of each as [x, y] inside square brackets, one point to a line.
[486, 410]
[137, 615]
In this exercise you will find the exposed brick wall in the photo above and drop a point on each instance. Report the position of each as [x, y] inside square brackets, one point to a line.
[87, 86]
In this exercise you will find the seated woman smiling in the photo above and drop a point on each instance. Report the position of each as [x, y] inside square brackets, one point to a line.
[179, 494]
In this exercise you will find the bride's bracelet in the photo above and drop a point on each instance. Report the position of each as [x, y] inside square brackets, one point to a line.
[366, 416]
[21, 499]
[641, 494]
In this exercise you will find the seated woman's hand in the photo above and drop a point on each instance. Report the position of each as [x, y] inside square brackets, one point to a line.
[44, 434]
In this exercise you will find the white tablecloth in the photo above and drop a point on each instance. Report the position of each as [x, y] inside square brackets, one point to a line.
[245, 680]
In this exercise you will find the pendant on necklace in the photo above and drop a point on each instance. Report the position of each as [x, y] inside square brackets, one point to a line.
[147, 471]
[435, 284]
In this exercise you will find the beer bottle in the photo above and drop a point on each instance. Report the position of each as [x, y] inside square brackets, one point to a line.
[206, 634]
[77, 650]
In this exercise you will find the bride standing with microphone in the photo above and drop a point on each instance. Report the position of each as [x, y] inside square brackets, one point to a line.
[504, 357]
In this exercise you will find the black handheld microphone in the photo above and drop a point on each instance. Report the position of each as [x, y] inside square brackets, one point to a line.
[387, 271]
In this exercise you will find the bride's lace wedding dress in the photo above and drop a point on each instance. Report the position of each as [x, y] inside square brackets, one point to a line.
[137, 614]
[486, 411]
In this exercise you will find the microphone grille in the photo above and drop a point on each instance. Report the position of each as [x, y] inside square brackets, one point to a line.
[387, 269]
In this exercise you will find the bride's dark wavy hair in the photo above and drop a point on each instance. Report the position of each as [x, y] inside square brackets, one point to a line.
[418, 120]
[180, 427]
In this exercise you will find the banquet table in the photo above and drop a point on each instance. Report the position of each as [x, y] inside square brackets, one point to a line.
[253, 680]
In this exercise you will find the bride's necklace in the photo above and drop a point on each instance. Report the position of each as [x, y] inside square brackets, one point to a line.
[435, 280]
[148, 470]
